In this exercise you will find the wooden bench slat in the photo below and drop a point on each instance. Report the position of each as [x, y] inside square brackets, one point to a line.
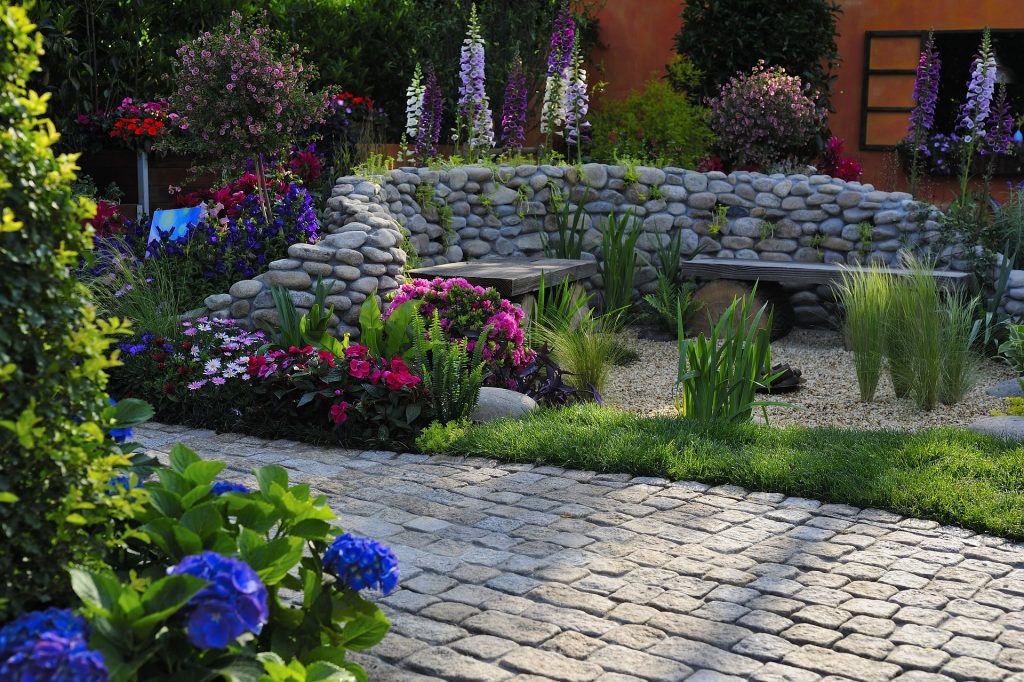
[796, 273]
[512, 277]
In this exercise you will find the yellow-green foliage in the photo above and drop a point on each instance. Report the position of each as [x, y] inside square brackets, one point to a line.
[54, 459]
[1014, 408]
[657, 125]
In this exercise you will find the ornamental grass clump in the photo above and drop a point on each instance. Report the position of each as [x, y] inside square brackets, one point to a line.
[765, 116]
[866, 296]
[718, 375]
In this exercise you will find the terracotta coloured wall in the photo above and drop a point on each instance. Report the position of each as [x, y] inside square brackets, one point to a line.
[639, 38]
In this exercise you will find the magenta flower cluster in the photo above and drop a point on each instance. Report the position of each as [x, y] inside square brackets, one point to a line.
[241, 95]
[466, 311]
[765, 116]
[430, 116]
[513, 111]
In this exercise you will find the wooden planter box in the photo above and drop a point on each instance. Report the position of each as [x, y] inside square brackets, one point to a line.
[121, 166]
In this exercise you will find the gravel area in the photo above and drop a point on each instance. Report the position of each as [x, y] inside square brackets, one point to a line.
[829, 396]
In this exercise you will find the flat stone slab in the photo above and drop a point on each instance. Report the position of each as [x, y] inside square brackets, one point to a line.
[523, 572]
[1000, 427]
[1006, 389]
[512, 277]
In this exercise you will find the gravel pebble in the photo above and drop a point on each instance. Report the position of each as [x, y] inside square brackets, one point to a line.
[829, 396]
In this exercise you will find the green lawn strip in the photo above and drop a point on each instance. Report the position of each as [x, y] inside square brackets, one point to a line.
[949, 475]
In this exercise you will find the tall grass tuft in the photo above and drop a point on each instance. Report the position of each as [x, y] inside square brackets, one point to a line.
[561, 305]
[718, 375]
[152, 293]
[586, 351]
[916, 331]
[572, 225]
[618, 262]
[866, 296]
[960, 362]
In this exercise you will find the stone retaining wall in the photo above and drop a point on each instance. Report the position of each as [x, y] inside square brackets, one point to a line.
[475, 212]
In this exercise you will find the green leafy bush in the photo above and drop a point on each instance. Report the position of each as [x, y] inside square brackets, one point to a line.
[723, 37]
[153, 619]
[657, 125]
[55, 459]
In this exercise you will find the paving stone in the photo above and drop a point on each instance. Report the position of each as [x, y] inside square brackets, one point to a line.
[573, 644]
[962, 668]
[483, 647]
[828, 662]
[509, 626]
[764, 647]
[701, 655]
[774, 672]
[554, 665]
[449, 665]
[975, 648]
[804, 633]
[622, 659]
[865, 645]
[868, 625]
[765, 621]
[634, 636]
[911, 656]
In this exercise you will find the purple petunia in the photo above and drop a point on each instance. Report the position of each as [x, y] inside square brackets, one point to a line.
[233, 604]
[362, 564]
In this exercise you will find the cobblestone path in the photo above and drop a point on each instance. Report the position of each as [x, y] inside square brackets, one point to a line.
[528, 573]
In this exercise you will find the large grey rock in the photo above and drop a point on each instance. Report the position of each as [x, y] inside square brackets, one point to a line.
[247, 288]
[501, 403]
[1011, 428]
[1010, 388]
[217, 301]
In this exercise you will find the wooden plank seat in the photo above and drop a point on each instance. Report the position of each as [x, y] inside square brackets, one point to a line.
[514, 278]
[723, 279]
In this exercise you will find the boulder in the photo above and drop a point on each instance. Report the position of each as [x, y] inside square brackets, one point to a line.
[501, 403]
[1010, 428]
[1010, 388]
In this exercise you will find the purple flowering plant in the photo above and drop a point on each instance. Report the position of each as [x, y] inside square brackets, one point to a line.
[199, 587]
[513, 110]
[764, 116]
[429, 125]
[926, 95]
[474, 126]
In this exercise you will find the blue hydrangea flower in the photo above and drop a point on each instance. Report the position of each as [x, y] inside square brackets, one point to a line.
[221, 487]
[49, 645]
[119, 433]
[234, 603]
[362, 563]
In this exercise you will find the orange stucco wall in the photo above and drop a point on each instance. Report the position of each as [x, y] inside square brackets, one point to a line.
[638, 35]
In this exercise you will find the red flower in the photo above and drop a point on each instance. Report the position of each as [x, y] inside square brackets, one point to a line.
[256, 365]
[360, 369]
[327, 356]
[339, 412]
[159, 356]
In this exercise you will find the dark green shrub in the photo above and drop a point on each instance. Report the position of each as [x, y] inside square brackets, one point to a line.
[723, 37]
[656, 125]
[55, 460]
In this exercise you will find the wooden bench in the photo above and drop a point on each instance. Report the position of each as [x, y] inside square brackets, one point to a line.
[727, 278]
[514, 278]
